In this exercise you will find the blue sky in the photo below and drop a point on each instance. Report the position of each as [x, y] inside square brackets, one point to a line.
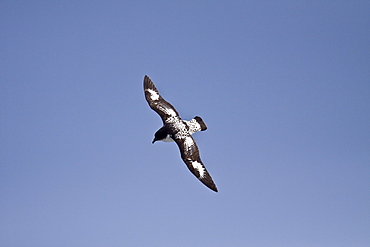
[283, 86]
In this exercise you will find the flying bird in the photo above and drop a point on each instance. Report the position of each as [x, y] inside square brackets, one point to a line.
[180, 131]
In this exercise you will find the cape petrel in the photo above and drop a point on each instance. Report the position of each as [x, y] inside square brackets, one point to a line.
[180, 131]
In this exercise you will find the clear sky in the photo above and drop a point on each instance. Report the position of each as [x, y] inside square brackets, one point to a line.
[284, 87]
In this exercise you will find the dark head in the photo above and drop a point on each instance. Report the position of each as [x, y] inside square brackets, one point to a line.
[154, 140]
[160, 134]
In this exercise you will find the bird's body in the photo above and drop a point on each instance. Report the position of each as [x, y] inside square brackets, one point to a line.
[180, 131]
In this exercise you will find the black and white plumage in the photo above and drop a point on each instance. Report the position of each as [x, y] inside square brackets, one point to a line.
[180, 131]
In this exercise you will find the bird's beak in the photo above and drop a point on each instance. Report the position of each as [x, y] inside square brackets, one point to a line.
[153, 140]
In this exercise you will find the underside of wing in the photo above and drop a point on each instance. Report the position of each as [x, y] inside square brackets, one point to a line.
[190, 155]
[156, 102]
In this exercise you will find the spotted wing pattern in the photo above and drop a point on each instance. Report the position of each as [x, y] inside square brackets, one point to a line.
[156, 102]
[190, 155]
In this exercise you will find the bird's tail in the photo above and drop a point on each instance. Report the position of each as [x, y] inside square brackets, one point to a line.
[199, 120]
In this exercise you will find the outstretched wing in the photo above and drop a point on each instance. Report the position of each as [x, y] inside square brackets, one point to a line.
[156, 102]
[190, 155]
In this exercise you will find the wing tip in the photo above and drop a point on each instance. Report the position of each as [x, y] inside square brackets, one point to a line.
[211, 185]
[147, 81]
[214, 189]
[208, 181]
[148, 84]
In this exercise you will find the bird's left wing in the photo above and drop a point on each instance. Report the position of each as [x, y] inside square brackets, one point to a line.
[190, 155]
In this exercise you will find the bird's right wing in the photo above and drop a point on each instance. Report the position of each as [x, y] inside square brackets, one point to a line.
[156, 102]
